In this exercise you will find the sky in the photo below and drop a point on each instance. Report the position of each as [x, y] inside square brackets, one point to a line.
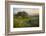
[30, 11]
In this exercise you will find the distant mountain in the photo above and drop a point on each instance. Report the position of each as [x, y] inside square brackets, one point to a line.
[24, 14]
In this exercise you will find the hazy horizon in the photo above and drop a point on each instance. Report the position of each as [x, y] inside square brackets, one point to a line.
[30, 11]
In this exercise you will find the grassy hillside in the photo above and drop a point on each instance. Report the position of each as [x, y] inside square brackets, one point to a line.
[32, 21]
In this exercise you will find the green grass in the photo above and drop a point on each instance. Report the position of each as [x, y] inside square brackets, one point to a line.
[25, 22]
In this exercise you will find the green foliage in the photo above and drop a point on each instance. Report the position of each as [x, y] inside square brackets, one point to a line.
[26, 22]
[22, 14]
[21, 19]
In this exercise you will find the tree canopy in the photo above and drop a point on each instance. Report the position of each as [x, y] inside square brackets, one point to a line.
[22, 14]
